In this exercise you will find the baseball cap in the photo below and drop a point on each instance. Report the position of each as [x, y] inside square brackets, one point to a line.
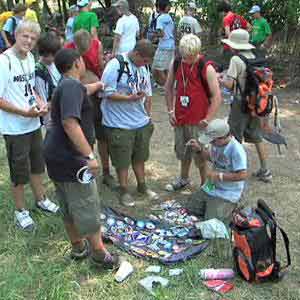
[29, 2]
[83, 3]
[215, 129]
[192, 5]
[121, 3]
[254, 9]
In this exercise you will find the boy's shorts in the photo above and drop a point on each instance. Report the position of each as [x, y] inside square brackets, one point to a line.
[25, 156]
[129, 146]
[162, 59]
[80, 204]
[243, 126]
[182, 135]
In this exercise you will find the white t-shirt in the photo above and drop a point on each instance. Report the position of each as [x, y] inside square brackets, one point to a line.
[17, 82]
[128, 28]
[189, 24]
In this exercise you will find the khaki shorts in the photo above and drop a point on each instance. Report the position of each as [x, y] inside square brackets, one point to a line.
[182, 135]
[80, 204]
[162, 59]
[129, 146]
[243, 125]
[207, 207]
[25, 156]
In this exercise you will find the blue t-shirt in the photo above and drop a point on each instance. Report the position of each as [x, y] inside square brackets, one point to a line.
[166, 24]
[125, 114]
[230, 158]
[69, 29]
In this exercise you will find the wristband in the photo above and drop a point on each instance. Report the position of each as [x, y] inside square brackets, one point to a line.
[221, 176]
[170, 112]
[205, 121]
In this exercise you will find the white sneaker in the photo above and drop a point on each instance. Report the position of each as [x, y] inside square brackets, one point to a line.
[177, 185]
[24, 220]
[47, 205]
[151, 195]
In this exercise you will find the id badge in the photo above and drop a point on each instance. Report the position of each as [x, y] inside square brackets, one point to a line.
[184, 101]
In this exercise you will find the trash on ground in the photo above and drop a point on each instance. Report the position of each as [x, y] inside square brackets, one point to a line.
[220, 286]
[125, 270]
[175, 272]
[151, 282]
[224, 273]
[153, 269]
[212, 229]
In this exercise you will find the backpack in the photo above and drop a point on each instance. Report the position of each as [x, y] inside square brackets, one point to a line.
[11, 36]
[42, 72]
[254, 243]
[201, 65]
[238, 22]
[152, 29]
[257, 97]
[124, 68]
[4, 17]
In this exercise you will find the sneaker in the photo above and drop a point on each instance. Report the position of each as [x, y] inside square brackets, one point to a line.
[78, 253]
[127, 200]
[177, 185]
[105, 260]
[23, 220]
[151, 195]
[263, 175]
[47, 206]
[110, 181]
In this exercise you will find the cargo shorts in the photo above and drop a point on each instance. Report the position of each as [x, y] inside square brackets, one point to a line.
[127, 146]
[243, 126]
[25, 156]
[80, 204]
[182, 135]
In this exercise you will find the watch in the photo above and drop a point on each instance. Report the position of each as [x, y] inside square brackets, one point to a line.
[91, 156]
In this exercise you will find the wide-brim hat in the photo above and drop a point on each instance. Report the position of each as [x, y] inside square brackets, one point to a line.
[239, 40]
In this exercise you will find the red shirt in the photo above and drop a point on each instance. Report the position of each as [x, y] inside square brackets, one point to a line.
[90, 57]
[197, 108]
[229, 21]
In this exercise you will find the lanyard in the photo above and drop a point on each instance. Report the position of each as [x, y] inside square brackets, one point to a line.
[185, 80]
[27, 76]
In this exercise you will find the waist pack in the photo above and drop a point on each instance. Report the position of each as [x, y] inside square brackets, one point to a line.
[254, 246]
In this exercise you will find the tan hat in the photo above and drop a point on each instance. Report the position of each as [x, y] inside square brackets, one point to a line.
[121, 3]
[215, 129]
[239, 40]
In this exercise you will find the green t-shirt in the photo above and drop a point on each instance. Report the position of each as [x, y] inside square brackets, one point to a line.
[86, 20]
[261, 30]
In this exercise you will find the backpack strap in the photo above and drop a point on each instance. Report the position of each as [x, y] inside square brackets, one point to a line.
[124, 68]
[9, 62]
[42, 72]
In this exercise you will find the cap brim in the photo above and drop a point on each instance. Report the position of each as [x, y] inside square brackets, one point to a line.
[204, 139]
[238, 46]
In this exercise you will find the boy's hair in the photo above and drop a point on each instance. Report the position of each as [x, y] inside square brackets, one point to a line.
[48, 44]
[162, 4]
[18, 8]
[224, 6]
[145, 48]
[189, 45]
[65, 58]
[82, 39]
[29, 26]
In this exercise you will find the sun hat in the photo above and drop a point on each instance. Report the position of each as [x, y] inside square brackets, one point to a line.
[239, 40]
[215, 129]
[254, 9]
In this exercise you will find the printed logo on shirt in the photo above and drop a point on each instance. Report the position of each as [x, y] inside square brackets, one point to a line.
[22, 78]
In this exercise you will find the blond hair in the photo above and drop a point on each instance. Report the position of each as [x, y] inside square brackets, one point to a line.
[189, 45]
[82, 39]
[28, 26]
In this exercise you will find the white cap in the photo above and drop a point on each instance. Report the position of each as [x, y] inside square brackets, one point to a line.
[215, 129]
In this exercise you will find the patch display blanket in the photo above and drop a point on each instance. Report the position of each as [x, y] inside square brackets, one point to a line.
[167, 240]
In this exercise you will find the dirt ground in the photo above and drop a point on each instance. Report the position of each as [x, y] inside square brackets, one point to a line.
[282, 195]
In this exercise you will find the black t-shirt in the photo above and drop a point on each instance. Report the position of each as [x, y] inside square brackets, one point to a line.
[69, 100]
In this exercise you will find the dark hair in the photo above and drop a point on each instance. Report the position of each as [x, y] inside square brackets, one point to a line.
[145, 48]
[162, 4]
[224, 6]
[65, 58]
[48, 43]
[18, 8]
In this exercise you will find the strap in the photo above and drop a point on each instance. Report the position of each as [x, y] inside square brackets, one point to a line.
[9, 62]
[123, 66]
[286, 245]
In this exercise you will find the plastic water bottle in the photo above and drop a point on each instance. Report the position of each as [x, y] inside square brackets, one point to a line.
[209, 274]
[227, 95]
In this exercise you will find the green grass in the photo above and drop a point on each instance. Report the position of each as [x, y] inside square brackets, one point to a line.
[35, 266]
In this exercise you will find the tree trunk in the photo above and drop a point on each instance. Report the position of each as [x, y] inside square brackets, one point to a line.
[2, 6]
[65, 11]
[10, 4]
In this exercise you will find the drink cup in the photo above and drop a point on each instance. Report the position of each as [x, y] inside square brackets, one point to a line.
[125, 270]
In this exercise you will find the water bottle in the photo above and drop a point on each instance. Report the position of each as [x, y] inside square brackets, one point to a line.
[227, 95]
[210, 274]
